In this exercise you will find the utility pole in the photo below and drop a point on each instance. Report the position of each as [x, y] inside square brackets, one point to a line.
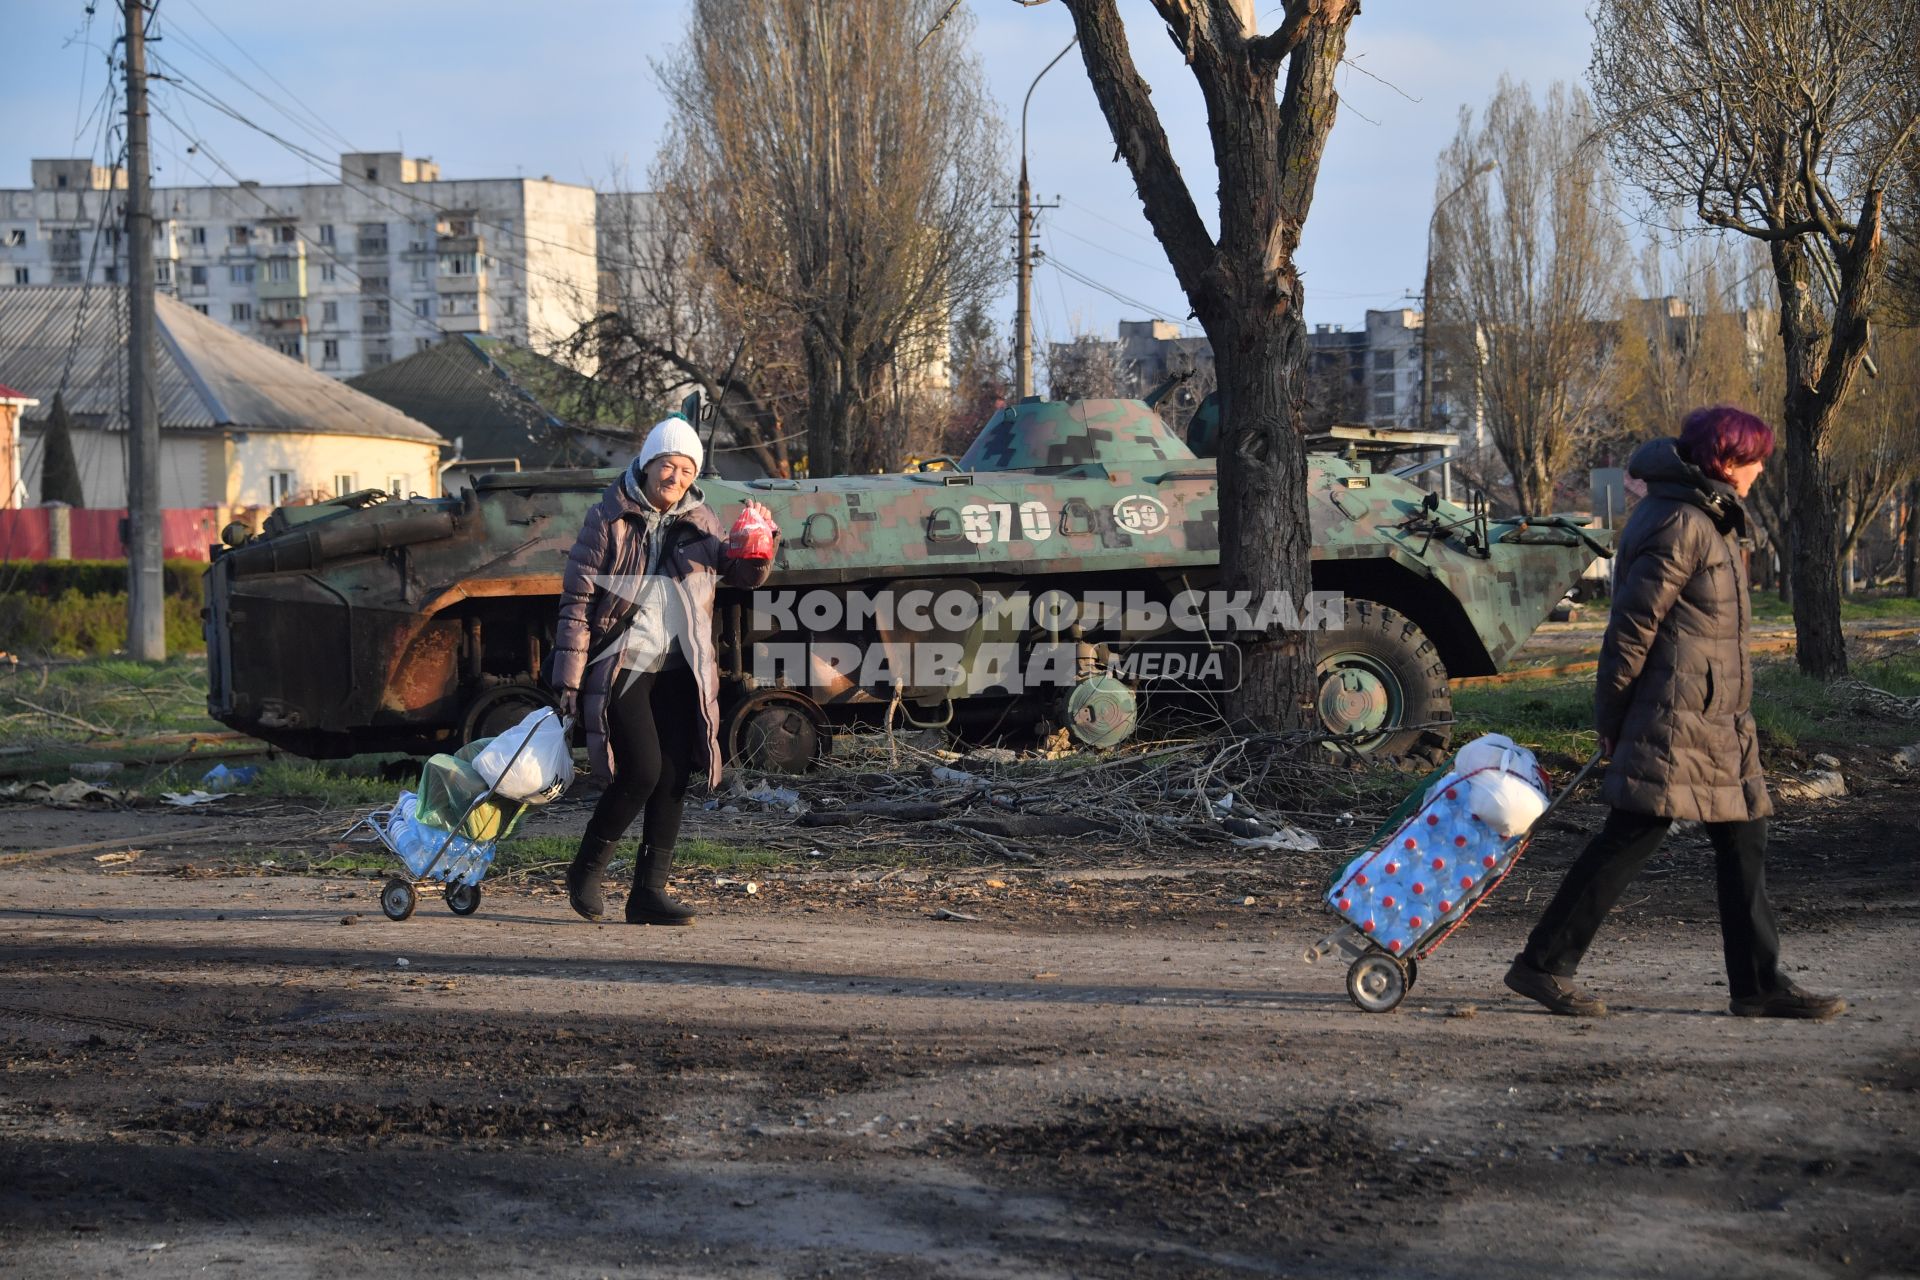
[146, 584]
[1023, 251]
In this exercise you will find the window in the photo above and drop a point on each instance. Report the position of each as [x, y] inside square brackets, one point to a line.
[237, 235]
[423, 307]
[373, 175]
[110, 274]
[422, 270]
[1384, 359]
[241, 312]
[163, 273]
[1383, 382]
[17, 237]
[326, 233]
[113, 237]
[240, 274]
[344, 484]
[329, 313]
[422, 344]
[60, 180]
[456, 264]
[285, 234]
[67, 275]
[459, 226]
[196, 235]
[330, 351]
[1383, 405]
[197, 276]
[280, 270]
[287, 347]
[201, 307]
[326, 273]
[397, 486]
[279, 487]
[373, 284]
[377, 355]
[22, 276]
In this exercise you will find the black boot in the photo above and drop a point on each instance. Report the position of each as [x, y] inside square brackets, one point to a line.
[584, 874]
[649, 903]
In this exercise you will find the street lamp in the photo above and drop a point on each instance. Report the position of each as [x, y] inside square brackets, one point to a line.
[1023, 305]
[1426, 320]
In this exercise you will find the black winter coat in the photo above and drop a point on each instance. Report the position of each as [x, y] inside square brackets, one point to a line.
[1675, 683]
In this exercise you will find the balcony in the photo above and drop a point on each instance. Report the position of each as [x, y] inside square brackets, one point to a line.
[376, 324]
[369, 247]
[463, 244]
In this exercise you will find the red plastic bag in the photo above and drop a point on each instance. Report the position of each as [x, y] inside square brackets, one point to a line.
[751, 537]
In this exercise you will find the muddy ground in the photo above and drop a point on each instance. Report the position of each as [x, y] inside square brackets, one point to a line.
[1108, 1072]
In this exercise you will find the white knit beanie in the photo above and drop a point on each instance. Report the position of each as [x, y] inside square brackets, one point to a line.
[671, 435]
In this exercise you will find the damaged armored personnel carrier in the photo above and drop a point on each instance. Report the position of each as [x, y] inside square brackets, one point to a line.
[1048, 575]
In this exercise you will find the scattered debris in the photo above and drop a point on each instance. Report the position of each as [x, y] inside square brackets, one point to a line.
[349, 919]
[947, 913]
[1816, 784]
[66, 795]
[221, 778]
[1862, 698]
[400, 962]
[1825, 761]
[991, 756]
[1907, 757]
[187, 799]
[95, 769]
[748, 887]
[117, 859]
[1286, 838]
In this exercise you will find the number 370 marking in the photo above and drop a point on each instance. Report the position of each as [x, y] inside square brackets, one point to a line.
[993, 521]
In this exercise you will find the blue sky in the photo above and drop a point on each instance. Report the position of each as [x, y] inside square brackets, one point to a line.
[492, 88]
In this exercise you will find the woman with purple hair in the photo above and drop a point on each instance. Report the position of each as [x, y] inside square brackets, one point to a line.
[1671, 702]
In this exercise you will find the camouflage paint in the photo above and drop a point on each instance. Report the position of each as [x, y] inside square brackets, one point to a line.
[394, 642]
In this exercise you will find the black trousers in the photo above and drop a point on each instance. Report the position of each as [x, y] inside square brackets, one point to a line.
[1613, 858]
[655, 731]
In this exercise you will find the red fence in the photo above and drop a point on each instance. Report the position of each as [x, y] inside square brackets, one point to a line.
[35, 533]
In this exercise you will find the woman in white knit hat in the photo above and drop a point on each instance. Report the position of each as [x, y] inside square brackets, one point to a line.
[634, 657]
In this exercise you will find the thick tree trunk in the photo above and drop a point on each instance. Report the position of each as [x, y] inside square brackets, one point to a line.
[1910, 539]
[1266, 538]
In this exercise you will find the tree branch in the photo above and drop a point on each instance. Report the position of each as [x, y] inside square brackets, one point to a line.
[1127, 103]
[1277, 44]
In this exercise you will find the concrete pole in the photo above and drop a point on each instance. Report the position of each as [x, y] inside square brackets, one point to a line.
[1023, 304]
[146, 583]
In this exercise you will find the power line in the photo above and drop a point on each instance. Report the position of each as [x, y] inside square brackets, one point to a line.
[317, 118]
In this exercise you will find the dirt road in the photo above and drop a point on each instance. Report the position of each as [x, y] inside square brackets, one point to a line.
[1099, 1076]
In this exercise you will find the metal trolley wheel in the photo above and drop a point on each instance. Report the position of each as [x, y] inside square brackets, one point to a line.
[463, 899]
[1378, 982]
[397, 899]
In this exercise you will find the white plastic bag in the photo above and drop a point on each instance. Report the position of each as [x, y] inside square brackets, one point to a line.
[529, 759]
[1503, 783]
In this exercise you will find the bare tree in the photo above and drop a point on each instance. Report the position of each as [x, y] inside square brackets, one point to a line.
[1087, 367]
[839, 170]
[1243, 285]
[982, 378]
[668, 321]
[1877, 438]
[1527, 278]
[1782, 120]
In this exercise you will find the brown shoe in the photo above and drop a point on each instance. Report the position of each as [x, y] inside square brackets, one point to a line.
[1558, 994]
[1788, 1002]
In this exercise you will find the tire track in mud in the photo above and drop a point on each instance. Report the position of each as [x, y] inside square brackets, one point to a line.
[159, 957]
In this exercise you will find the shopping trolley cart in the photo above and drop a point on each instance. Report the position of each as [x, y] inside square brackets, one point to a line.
[1428, 867]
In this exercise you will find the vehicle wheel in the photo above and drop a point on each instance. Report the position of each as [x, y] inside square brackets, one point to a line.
[775, 731]
[1376, 982]
[1382, 681]
[397, 899]
[463, 899]
[498, 709]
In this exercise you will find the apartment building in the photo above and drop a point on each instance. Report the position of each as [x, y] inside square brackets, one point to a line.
[343, 276]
